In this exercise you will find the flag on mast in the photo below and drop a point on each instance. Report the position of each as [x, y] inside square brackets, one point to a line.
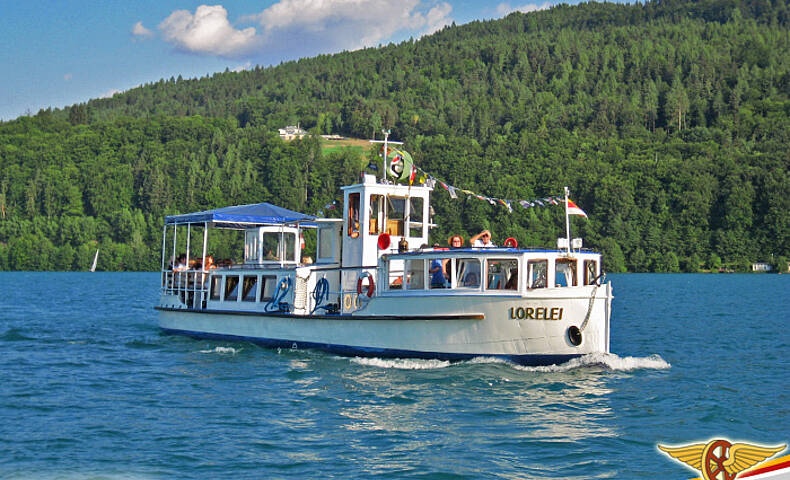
[573, 209]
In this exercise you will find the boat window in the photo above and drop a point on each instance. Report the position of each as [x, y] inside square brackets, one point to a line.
[268, 286]
[325, 247]
[502, 274]
[537, 273]
[590, 272]
[289, 246]
[353, 215]
[415, 217]
[565, 272]
[271, 244]
[251, 246]
[396, 211]
[439, 272]
[395, 274]
[468, 272]
[249, 288]
[231, 288]
[216, 285]
[415, 274]
[376, 213]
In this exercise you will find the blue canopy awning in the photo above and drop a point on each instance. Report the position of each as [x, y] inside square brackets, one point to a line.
[241, 216]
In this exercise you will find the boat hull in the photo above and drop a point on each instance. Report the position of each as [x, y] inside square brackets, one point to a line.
[528, 330]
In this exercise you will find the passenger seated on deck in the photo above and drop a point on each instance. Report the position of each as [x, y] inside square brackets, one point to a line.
[225, 262]
[512, 282]
[181, 263]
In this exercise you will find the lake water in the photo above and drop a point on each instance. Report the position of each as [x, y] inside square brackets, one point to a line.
[91, 389]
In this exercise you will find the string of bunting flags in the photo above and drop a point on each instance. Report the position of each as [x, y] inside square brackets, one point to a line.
[431, 181]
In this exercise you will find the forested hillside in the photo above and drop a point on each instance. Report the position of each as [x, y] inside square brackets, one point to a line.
[669, 121]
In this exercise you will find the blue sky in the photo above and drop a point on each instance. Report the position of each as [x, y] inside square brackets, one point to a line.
[57, 53]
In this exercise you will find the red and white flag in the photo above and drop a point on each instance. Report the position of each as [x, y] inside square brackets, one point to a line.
[573, 209]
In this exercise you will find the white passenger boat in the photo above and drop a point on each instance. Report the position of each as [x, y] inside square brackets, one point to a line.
[370, 292]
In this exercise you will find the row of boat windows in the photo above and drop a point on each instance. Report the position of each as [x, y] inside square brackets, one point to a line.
[500, 273]
[242, 288]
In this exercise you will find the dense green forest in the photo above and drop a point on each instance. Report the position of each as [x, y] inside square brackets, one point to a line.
[668, 120]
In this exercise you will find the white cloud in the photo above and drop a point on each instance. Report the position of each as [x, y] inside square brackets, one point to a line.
[241, 68]
[331, 25]
[208, 31]
[110, 93]
[297, 28]
[505, 8]
[138, 30]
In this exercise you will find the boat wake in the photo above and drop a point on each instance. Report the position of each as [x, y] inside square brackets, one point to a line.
[402, 363]
[604, 361]
[223, 350]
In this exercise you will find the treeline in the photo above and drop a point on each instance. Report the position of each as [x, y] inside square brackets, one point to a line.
[669, 120]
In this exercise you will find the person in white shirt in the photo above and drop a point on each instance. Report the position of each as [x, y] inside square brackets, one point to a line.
[482, 239]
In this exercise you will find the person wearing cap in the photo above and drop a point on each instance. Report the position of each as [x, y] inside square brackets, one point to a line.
[482, 239]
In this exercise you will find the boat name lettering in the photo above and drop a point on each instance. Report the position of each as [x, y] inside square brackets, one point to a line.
[536, 313]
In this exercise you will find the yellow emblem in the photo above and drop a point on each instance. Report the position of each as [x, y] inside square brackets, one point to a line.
[720, 459]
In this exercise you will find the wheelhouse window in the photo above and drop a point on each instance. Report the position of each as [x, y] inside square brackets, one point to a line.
[537, 273]
[251, 246]
[590, 272]
[415, 217]
[468, 273]
[353, 215]
[415, 274]
[396, 213]
[565, 272]
[289, 247]
[376, 213]
[231, 288]
[326, 243]
[271, 246]
[502, 274]
[249, 288]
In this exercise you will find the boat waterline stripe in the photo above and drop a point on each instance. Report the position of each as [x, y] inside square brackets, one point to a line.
[460, 316]
[350, 350]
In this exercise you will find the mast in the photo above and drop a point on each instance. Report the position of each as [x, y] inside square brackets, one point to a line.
[567, 224]
[95, 258]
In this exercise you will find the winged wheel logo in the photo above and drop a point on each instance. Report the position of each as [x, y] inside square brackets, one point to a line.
[720, 459]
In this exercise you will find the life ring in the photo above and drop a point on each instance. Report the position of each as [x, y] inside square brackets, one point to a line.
[371, 284]
[511, 242]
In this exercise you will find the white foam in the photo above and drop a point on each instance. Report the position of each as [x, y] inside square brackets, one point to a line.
[402, 363]
[608, 361]
[222, 350]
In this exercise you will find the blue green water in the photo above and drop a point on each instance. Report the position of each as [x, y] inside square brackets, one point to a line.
[91, 389]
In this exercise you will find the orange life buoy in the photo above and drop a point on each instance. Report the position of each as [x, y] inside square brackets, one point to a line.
[371, 284]
[511, 242]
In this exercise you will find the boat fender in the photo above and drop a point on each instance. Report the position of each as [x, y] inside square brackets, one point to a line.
[511, 242]
[371, 284]
[575, 335]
